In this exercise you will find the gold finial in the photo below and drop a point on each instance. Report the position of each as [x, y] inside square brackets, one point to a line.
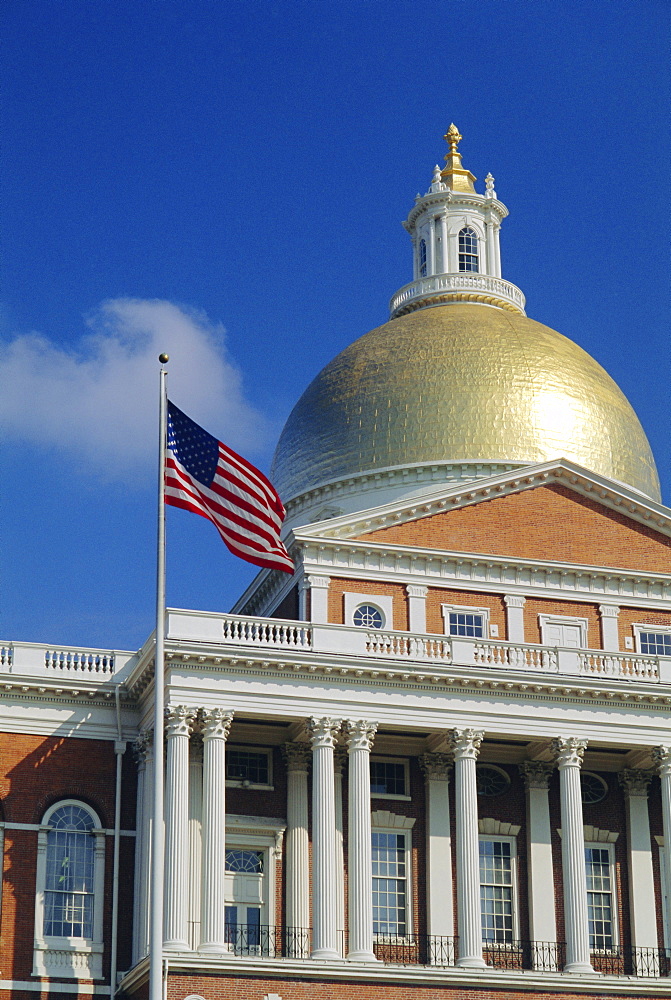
[454, 174]
[453, 137]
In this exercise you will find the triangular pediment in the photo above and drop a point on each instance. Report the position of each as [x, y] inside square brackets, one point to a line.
[556, 511]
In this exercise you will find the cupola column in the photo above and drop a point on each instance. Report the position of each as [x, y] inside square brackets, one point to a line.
[216, 726]
[178, 722]
[569, 754]
[360, 735]
[465, 746]
[324, 733]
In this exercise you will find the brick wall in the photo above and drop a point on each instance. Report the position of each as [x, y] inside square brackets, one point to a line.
[549, 522]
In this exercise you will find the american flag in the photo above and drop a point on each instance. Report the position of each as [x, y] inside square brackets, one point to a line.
[206, 477]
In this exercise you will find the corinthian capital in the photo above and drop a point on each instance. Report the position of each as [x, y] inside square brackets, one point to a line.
[359, 734]
[536, 773]
[143, 747]
[216, 723]
[569, 751]
[324, 731]
[179, 720]
[465, 743]
[662, 758]
[436, 766]
[296, 756]
[634, 781]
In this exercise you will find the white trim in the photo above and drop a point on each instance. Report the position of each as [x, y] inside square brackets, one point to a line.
[572, 620]
[383, 602]
[599, 844]
[81, 990]
[497, 838]
[665, 900]
[448, 609]
[64, 957]
[406, 833]
[377, 759]
[36, 827]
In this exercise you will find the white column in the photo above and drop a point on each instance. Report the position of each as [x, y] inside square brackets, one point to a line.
[491, 249]
[443, 241]
[610, 637]
[359, 736]
[339, 758]
[195, 839]
[662, 758]
[542, 922]
[178, 721]
[440, 912]
[569, 754]
[642, 915]
[465, 746]
[143, 751]
[416, 607]
[216, 726]
[431, 249]
[297, 917]
[324, 733]
[319, 599]
[514, 617]
[145, 744]
[303, 591]
[497, 249]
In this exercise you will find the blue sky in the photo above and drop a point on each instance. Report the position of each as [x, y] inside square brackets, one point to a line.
[227, 180]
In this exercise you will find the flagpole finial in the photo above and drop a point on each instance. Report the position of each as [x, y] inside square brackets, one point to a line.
[164, 358]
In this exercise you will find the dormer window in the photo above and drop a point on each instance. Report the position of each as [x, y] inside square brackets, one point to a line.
[422, 259]
[468, 250]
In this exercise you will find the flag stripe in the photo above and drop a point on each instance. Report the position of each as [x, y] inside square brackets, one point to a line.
[206, 477]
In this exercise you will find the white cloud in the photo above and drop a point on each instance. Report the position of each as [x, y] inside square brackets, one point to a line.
[98, 399]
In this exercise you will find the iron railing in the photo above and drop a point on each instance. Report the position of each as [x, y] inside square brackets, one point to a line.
[432, 950]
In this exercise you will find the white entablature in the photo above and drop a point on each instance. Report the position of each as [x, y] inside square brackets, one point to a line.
[455, 236]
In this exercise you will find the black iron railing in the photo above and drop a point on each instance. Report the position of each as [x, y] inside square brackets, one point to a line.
[438, 951]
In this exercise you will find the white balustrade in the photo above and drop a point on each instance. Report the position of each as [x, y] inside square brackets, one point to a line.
[527, 657]
[439, 284]
[412, 647]
[644, 668]
[269, 632]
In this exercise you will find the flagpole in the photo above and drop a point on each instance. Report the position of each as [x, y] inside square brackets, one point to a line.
[158, 834]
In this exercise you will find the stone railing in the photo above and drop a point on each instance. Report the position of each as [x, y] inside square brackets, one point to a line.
[464, 286]
[343, 640]
[31, 659]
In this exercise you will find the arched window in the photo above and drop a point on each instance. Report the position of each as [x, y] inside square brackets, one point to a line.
[468, 250]
[368, 616]
[422, 258]
[70, 880]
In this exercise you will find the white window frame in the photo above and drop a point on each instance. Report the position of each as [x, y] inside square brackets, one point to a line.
[497, 838]
[601, 845]
[383, 602]
[448, 609]
[582, 623]
[638, 628]
[406, 833]
[406, 772]
[243, 783]
[67, 957]
[262, 843]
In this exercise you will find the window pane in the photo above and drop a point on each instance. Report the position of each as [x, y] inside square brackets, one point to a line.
[368, 616]
[246, 765]
[599, 898]
[496, 891]
[389, 884]
[467, 624]
[656, 643]
[244, 861]
[387, 778]
[70, 870]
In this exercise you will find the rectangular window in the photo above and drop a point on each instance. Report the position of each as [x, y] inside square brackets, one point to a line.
[466, 624]
[251, 766]
[390, 884]
[497, 890]
[600, 907]
[655, 643]
[388, 778]
[68, 897]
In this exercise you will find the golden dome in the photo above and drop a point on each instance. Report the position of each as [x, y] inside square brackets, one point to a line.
[460, 383]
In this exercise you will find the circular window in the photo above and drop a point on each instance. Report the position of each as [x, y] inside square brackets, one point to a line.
[491, 781]
[592, 787]
[368, 616]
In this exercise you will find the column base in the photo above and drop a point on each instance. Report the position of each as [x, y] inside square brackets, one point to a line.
[176, 946]
[584, 968]
[214, 949]
[361, 956]
[326, 955]
[471, 962]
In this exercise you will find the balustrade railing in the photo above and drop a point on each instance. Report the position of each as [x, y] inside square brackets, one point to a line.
[267, 941]
[444, 284]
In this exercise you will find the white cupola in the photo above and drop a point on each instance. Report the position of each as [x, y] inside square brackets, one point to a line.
[455, 238]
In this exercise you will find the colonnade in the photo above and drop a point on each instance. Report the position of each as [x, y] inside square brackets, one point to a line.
[320, 904]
